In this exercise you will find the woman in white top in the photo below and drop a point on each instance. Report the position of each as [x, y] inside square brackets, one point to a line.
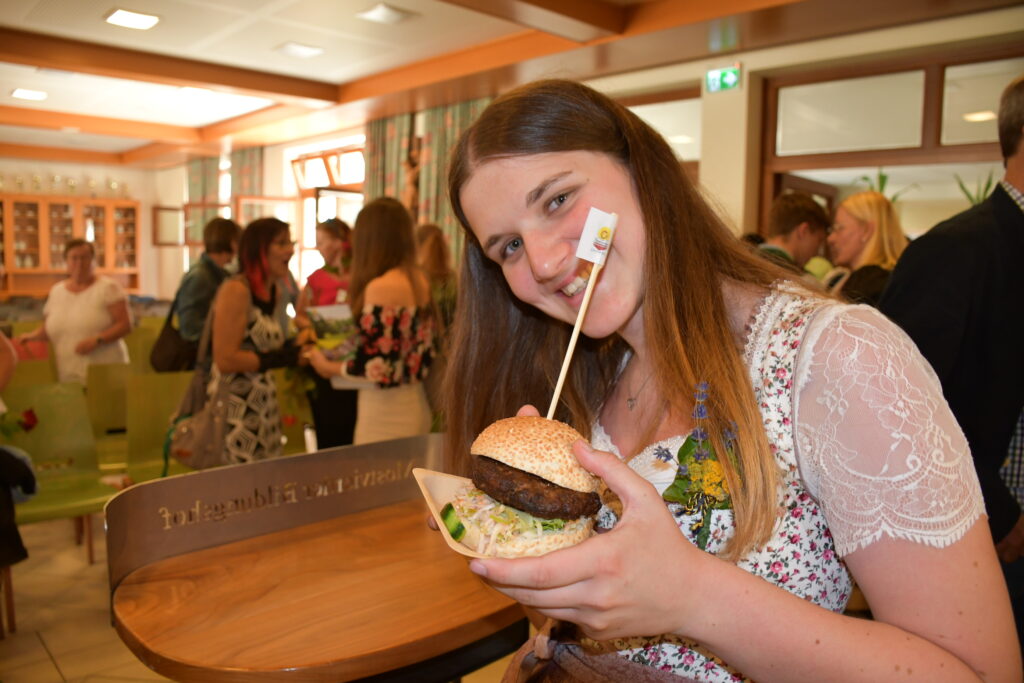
[767, 444]
[85, 317]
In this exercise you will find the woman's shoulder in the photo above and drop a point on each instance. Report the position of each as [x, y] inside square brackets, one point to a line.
[392, 289]
[233, 290]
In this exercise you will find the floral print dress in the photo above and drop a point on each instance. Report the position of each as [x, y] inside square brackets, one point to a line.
[396, 345]
[824, 359]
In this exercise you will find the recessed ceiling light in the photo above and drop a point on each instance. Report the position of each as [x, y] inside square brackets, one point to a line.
[680, 139]
[129, 19]
[299, 51]
[384, 14]
[979, 116]
[26, 94]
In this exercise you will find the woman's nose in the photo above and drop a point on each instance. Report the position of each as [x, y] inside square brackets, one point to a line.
[547, 255]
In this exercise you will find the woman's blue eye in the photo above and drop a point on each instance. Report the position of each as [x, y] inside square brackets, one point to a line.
[511, 247]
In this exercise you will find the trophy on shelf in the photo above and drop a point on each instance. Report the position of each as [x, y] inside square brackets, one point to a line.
[55, 184]
[72, 185]
[19, 182]
[37, 183]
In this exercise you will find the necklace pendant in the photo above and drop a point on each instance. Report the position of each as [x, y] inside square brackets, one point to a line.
[631, 403]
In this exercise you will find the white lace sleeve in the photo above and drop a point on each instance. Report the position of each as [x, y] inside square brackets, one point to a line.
[876, 442]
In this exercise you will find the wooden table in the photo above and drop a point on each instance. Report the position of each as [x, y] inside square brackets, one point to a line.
[341, 599]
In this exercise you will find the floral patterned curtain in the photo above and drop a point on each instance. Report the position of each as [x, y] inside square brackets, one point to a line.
[442, 127]
[203, 178]
[247, 179]
[387, 150]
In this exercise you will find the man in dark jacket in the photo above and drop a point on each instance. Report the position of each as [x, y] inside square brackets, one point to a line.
[958, 292]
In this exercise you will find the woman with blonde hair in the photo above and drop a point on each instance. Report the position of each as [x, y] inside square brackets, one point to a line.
[866, 238]
[390, 299]
[761, 460]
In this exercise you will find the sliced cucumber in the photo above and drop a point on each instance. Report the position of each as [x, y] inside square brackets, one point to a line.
[452, 523]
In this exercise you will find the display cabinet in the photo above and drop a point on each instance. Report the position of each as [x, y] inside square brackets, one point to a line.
[34, 230]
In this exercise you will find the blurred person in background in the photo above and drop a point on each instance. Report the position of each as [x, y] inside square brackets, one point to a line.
[433, 256]
[866, 238]
[248, 341]
[396, 322]
[797, 228]
[199, 285]
[957, 291]
[85, 317]
[334, 410]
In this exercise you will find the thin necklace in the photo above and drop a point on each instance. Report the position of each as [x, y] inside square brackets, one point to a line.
[631, 400]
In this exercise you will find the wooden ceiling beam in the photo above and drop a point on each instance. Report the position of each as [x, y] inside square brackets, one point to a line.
[37, 49]
[97, 125]
[39, 153]
[577, 20]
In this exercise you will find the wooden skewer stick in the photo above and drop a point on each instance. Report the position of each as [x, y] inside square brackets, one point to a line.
[572, 339]
[595, 243]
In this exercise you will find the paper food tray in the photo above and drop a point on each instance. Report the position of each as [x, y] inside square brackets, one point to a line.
[438, 489]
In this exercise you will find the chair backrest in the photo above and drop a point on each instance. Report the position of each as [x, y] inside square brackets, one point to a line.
[37, 371]
[140, 343]
[105, 396]
[62, 441]
[155, 397]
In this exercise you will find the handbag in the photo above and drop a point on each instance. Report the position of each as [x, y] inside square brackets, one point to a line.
[198, 430]
[171, 352]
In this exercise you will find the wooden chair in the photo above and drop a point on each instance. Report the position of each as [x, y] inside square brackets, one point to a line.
[30, 372]
[140, 342]
[64, 457]
[155, 397]
[106, 398]
[7, 598]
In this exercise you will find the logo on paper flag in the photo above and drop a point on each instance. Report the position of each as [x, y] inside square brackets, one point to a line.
[597, 236]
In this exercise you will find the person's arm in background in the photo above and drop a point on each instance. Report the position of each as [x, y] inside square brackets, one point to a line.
[303, 302]
[8, 359]
[38, 334]
[121, 326]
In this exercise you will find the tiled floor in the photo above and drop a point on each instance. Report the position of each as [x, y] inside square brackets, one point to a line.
[64, 633]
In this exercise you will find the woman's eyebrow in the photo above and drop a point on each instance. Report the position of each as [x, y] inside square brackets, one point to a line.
[537, 192]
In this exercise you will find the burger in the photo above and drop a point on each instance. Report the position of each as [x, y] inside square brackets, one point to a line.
[529, 495]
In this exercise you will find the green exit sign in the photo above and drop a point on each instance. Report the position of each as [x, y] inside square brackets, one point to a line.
[723, 79]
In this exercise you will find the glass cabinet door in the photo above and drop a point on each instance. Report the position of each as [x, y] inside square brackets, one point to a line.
[26, 234]
[60, 232]
[124, 236]
[94, 217]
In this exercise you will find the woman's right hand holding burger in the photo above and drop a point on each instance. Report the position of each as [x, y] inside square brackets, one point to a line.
[642, 577]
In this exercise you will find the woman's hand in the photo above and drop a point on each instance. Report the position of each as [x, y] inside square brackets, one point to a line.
[323, 367]
[629, 581]
[87, 346]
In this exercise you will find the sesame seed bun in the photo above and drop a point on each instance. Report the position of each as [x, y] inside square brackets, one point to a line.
[538, 446]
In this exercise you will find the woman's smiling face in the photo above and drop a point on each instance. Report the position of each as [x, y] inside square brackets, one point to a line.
[528, 212]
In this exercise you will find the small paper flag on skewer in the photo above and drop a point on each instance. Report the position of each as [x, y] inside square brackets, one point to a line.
[595, 241]
[597, 235]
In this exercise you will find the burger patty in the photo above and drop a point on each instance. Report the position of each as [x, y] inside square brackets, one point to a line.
[530, 493]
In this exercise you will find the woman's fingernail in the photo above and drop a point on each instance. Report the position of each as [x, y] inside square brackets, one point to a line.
[478, 568]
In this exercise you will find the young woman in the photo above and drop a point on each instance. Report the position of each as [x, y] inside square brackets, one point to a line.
[866, 238]
[248, 341]
[85, 317]
[767, 444]
[334, 410]
[390, 298]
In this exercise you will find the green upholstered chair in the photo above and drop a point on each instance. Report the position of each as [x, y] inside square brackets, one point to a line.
[36, 371]
[154, 398]
[64, 457]
[106, 398]
[140, 342]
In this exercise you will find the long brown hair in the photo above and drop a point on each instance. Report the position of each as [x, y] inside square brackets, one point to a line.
[505, 353]
[382, 240]
[432, 251]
